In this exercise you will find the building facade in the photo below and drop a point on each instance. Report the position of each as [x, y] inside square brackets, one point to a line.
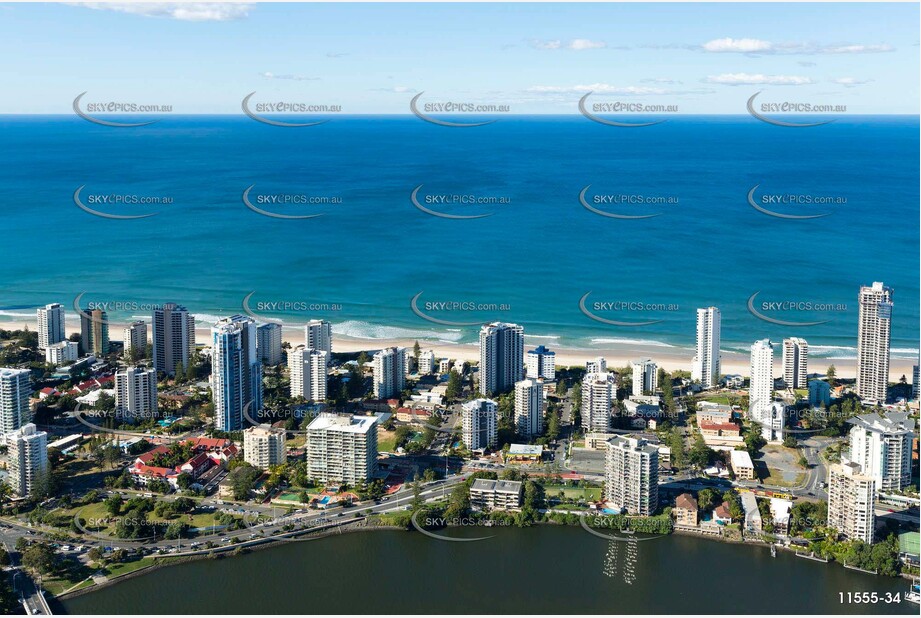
[873, 336]
[632, 475]
[501, 357]
[644, 377]
[389, 369]
[882, 447]
[795, 362]
[28, 459]
[599, 391]
[94, 332]
[480, 424]
[342, 448]
[173, 338]
[706, 365]
[136, 394]
[15, 390]
[264, 447]
[307, 372]
[268, 343]
[529, 408]
[50, 325]
[236, 372]
[850, 501]
[541, 363]
[62, 352]
[318, 335]
[135, 338]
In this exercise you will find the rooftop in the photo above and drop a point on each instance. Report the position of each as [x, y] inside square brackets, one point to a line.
[741, 458]
[893, 422]
[342, 423]
[499, 486]
[525, 449]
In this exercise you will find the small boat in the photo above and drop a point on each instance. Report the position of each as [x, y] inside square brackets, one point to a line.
[914, 594]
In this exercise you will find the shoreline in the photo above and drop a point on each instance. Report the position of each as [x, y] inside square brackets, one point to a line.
[668, 357]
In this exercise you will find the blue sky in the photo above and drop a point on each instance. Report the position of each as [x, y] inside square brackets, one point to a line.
[535, 58]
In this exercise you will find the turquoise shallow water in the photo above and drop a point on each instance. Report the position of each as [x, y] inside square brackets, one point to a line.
[538, 253]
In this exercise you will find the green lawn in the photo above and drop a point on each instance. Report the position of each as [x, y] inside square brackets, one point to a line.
[386, 441]
[591, 494]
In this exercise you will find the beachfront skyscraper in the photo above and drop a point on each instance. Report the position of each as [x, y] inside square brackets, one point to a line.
[389, 372]
[135, 394]
[706, 365]
[598, 394]
[529, 408]
[501, 357]
[318, 335]
[14, 399]
[268, 343]
[541, 363]
[631, 475]
[307, 372]
[795, 362]
[27, 452]
[480, 424]
[873, 332]
[236, 373]
[881, 446]
[94, 332]
[135, 339]
[173, 338]
[850, 501]
[644, 377]
[596, 365]
[50, 325]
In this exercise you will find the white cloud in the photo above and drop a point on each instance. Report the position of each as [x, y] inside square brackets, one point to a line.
[574, 44]
[806, 63]
[398, 90]
[743, 46]
[659, 80]
[598, 89]
[851, 82]
[760, 46]
[297, 78]
[757, 79]
[580, 44]
[198, 11]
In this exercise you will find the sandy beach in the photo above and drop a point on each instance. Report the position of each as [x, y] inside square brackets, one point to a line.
[670, 358]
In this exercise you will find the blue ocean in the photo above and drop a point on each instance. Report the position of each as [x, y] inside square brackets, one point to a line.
[531, 260]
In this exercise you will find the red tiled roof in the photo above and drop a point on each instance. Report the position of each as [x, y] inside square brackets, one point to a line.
[149, 455]
[686, 501]
[145, 470]
[732, 427]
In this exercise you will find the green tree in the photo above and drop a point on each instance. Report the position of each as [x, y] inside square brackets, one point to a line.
[39, 558]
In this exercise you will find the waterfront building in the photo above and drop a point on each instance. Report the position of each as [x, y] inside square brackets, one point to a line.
[795, 362]
[761, 407]
[268, 343]
[135, 339]
[596, 365]
[318, 335]
[882, 447]
[685, 510]
[27, 453]
[342, 449]
[706, 365]
[62, 352]
[389, 368]
[50, 325]
[632, 475]
[135, 394]
[495, 495]
[173, 338]
[236, 372]
[598, 393]
[426, 362]
[529, 408]
[264, 447]
[480, 424]
[15, 390]
[501, 357]
[94, 332]
[644, 377]
[850, 501]
[873, 332]
[541, 363]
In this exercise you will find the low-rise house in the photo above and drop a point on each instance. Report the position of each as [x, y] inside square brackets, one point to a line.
[525, 452]
[709, 412]
[685, 510]
[742, 465]
[721, 515]
[490, 495]
[780, 514]
[721, 434]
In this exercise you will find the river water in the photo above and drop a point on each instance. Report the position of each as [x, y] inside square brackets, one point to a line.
[521, 571]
